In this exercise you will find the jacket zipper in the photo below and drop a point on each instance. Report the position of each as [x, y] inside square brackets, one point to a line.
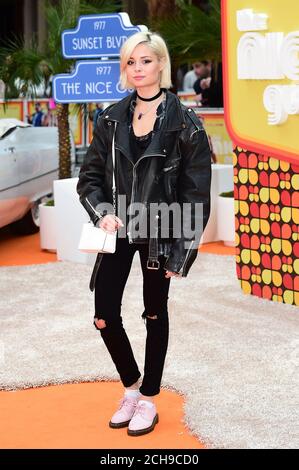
[135, 177]
[92, 208]
[134, 183]
[186, 259]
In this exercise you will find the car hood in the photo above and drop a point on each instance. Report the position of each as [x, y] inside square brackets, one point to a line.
[8, 124]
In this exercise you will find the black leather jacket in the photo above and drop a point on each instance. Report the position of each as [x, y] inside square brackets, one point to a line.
[176, 167]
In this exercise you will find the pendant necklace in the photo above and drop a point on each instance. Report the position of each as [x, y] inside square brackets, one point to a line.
[143, 114]
[140, 114]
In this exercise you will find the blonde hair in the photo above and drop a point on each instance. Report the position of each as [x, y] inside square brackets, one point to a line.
[157, 44]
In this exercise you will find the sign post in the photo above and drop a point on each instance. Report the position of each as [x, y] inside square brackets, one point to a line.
[97, 37]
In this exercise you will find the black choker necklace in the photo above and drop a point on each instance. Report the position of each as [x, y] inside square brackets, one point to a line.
[153, 97]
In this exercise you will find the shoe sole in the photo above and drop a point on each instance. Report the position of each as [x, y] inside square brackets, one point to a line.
[124, 424]
[140, 432]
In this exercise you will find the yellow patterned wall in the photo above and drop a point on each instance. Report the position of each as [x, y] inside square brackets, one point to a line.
[267, 231]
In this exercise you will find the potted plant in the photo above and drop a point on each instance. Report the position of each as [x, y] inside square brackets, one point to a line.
[47, 223]
[226, 218]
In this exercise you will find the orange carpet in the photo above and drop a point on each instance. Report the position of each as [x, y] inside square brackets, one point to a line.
[217, 248]
[76, 415]
[20, 250]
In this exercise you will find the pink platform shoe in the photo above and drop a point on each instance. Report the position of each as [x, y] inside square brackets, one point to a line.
[144, 419]
[123, 415]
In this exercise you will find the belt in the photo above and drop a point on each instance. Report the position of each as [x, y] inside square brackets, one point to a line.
[153, 253]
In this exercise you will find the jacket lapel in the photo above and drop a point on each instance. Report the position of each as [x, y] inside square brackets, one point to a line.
[174, 121]
[122, 141]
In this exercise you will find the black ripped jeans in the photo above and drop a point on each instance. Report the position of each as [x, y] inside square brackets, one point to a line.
[109, 287]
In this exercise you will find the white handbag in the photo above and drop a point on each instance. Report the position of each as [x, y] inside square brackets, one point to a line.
[95, 239]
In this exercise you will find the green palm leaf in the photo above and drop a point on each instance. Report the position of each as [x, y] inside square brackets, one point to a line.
[192, 34]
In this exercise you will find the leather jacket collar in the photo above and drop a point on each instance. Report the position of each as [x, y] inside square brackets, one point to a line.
[175, 119]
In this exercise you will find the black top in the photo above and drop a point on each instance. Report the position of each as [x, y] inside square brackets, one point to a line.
[139, 144]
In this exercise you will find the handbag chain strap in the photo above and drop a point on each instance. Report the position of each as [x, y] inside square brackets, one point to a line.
[113, 172]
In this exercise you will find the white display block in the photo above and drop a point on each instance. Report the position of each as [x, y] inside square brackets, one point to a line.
[47, 227]
[222, 181]
[70, 215]
[226, 220]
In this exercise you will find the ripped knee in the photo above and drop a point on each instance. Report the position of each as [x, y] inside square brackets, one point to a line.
[99, 323]
[151, 316]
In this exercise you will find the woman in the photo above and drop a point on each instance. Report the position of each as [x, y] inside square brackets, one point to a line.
[162, 155]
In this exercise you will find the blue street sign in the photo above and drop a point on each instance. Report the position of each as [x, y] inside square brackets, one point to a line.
[92, 81]
[98, 36]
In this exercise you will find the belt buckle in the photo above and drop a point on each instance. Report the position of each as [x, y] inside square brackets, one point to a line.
[153, 264]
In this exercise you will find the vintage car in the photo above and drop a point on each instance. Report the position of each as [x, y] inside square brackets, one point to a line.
[28, 166]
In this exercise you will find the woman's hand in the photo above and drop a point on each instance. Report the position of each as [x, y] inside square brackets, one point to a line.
[172, 274]
[110, 223]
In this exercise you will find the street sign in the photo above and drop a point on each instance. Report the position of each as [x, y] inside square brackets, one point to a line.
[91, 81]
[98, 36]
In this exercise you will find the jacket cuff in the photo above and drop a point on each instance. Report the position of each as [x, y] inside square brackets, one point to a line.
[181, 258]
